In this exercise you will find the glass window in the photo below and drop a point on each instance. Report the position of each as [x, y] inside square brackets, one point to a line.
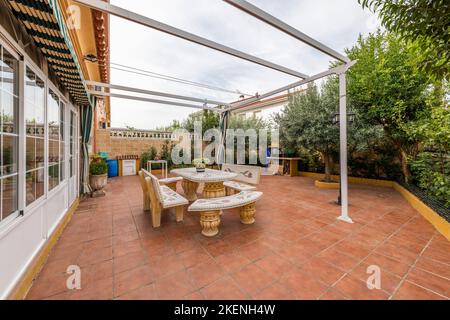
[56, 145]
[34, 105]
[8, 134]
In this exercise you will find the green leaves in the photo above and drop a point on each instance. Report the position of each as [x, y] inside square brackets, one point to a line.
[307, 120]
[98, 166]
[423, 22]
[386, 84]
[432, 173]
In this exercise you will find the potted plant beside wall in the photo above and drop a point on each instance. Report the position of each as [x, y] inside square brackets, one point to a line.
[98, 178]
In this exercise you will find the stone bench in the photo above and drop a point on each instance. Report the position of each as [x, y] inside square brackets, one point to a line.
[247, 179]
[162, 197]
[210, 209]
[171, 182]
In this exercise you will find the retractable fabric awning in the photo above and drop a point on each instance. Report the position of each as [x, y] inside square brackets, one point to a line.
[44, 22]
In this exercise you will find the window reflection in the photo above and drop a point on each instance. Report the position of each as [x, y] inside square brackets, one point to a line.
[35, 129]
[55, 118]
[8, 133]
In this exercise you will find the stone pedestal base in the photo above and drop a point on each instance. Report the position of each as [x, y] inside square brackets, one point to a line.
[230, 191]
[190, 189]
[214, 190]
[210, 220]
[247, 213]
[98, 193]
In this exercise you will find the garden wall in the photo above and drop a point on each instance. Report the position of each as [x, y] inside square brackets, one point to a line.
[120, 142]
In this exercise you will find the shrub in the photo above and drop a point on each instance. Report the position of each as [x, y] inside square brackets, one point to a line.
[433, 176]
[98, 166]
[150, 154]
[166, 152]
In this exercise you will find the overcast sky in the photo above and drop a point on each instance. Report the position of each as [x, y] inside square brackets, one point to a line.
[334, 23]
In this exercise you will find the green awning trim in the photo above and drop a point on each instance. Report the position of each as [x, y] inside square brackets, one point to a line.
[45, 23]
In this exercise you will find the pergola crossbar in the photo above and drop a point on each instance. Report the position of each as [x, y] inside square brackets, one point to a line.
[148, 22]
[336, 70]
[282, 26]
[154, 93]
[274, 22]
[145, 99]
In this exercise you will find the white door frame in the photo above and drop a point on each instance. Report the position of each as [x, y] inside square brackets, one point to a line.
[73, 180]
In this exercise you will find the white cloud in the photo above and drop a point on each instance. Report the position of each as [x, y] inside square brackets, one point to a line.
[335, 23]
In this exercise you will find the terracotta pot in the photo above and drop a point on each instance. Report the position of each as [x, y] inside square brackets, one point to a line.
[98, 181]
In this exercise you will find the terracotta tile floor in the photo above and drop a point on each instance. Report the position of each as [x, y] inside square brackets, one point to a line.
[295, 250]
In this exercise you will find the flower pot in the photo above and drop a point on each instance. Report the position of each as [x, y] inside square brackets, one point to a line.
[200, 167]
[98, 182]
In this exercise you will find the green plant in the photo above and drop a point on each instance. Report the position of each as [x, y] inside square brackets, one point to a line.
[424, 23]
[98, 166]
[388, 88]
[432, 175]
[197, 161]
[306, 121]
[166, 151]
[150, 154]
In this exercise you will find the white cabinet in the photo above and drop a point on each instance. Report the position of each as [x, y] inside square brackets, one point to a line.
[128, 167]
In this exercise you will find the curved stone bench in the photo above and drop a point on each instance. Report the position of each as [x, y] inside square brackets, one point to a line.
[210, 209]
[247, 179]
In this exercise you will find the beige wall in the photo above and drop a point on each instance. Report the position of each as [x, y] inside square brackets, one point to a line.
[117, 146]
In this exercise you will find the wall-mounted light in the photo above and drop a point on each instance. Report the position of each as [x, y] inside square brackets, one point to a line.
[91, 57]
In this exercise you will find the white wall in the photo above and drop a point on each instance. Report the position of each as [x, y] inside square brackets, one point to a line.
[265, 113]
[23, 239]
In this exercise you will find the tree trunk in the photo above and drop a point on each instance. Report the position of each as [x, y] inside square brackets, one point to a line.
[328, 163]
[405, 168]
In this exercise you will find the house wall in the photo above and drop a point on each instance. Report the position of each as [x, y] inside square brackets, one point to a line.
[263, 112]
[24, 232]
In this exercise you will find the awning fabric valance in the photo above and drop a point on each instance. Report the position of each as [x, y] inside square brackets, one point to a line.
[45, 24]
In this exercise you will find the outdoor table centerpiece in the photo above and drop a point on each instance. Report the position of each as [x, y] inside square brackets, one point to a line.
[200, 164]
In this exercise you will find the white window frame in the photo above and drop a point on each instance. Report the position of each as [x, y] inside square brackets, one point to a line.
[30, 64]
[61, 184]
[4, 223]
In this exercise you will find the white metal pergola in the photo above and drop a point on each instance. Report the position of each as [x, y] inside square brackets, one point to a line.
[214, 105]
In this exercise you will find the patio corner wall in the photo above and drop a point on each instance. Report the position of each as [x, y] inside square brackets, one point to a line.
[117, 142]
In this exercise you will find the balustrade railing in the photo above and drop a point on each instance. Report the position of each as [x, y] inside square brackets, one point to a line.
[144, 134]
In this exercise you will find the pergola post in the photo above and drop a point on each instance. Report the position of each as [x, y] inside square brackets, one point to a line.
[343, 147]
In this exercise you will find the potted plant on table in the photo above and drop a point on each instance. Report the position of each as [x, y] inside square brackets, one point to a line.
[98, 176]
[200, 164]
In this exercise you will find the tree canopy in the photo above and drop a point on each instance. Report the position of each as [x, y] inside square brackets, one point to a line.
[389, 89]
[425, 23]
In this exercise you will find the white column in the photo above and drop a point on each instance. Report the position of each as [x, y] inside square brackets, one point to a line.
[343, 148]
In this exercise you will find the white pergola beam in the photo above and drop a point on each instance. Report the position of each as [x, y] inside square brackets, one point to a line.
[148, 22]
[153, 93]
[282, 26]
[172, 103]
[317, 76]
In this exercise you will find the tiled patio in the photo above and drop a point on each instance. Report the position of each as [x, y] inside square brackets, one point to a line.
[295, 250]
